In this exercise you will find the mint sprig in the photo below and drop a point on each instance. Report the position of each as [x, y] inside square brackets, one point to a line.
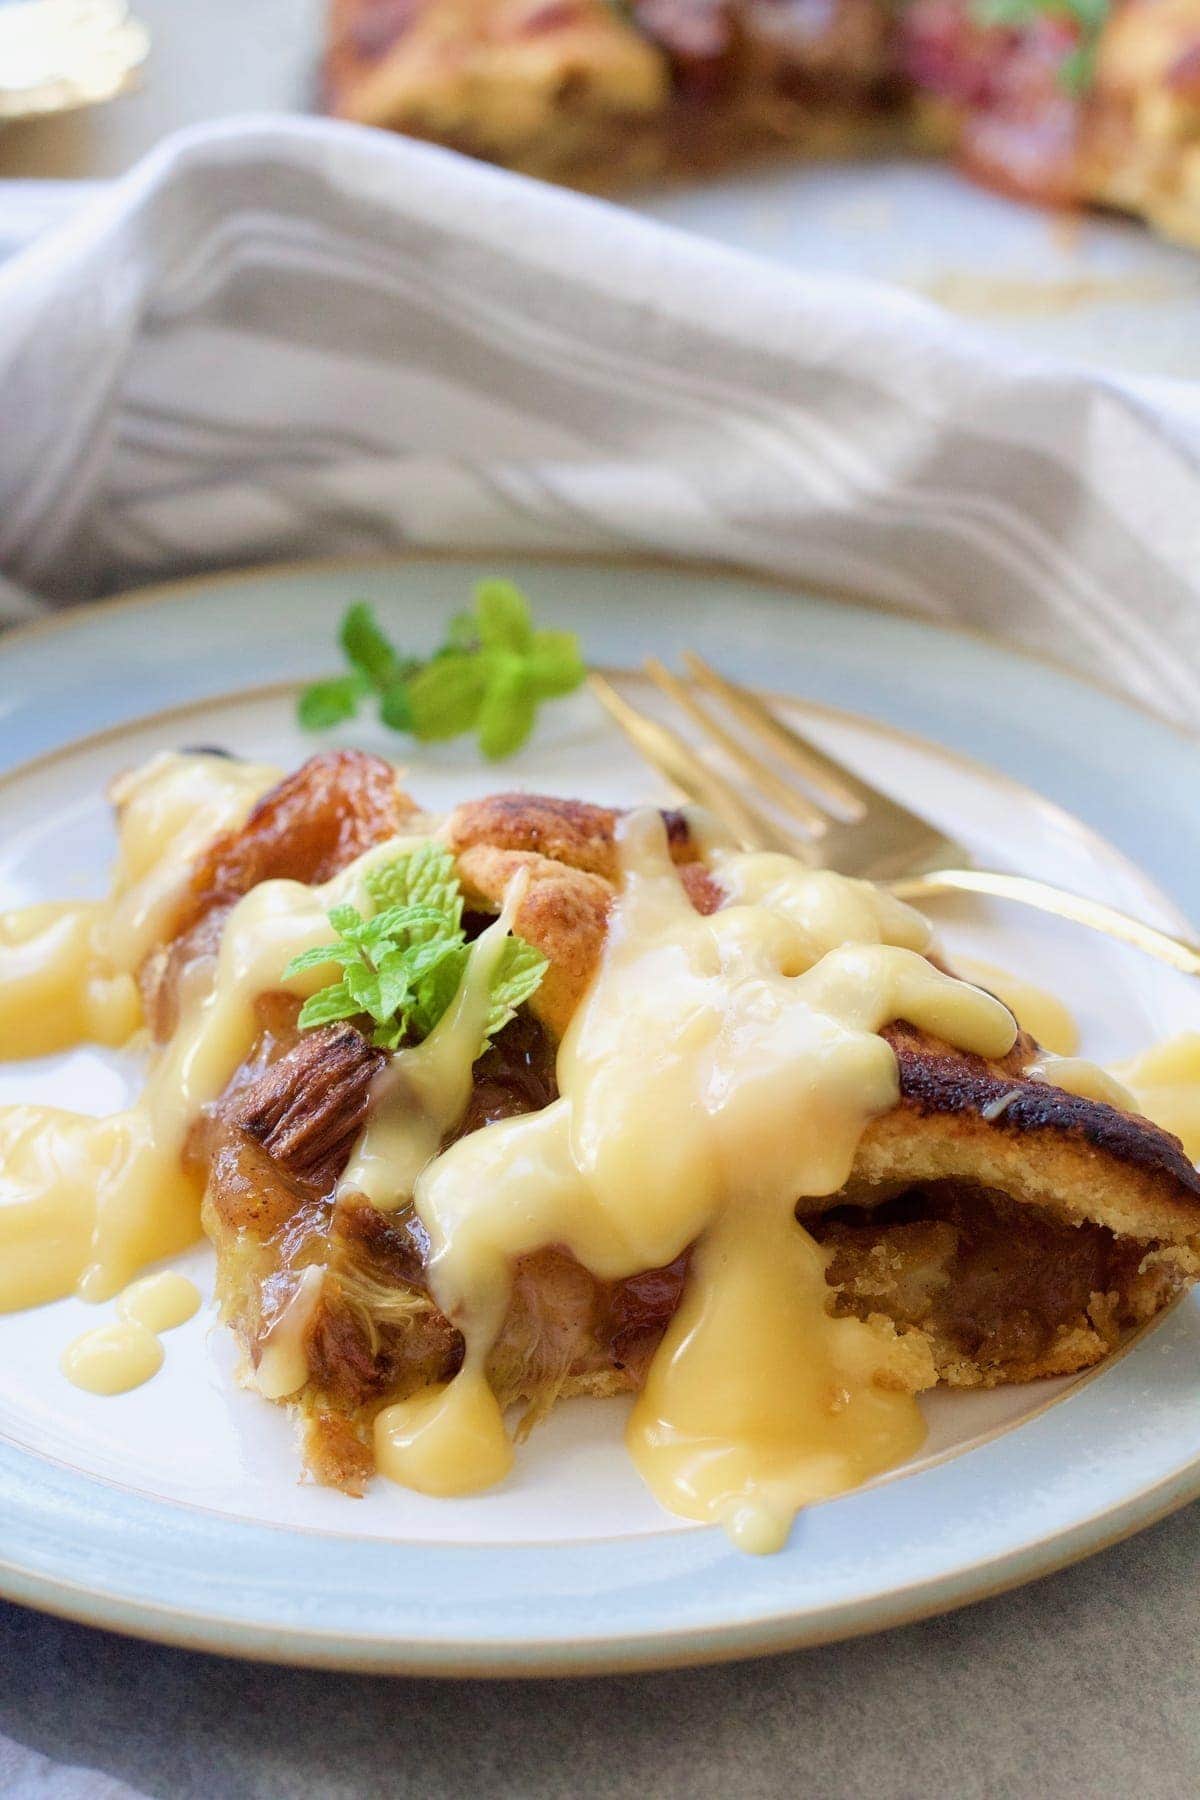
[491, 674]
[401, 966]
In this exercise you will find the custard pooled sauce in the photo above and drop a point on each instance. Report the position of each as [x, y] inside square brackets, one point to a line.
[718, 1070]
[84, 1202]
[1039, 1012]
[111, 1359]
[283, 1363]
[67, 970]
[1162, 1084]
[1165, 1084]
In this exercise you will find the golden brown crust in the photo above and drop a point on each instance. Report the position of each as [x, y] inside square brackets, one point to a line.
[563, 913]
[996, 1291]
[1002, 100]
[1091, 1215]
[1141, 133]
[600, 96]
[1097, 1207]
[960, 1118]
[569, 850]
[542, 85]
[1100, 1204]
[573, 832]
[306, 828]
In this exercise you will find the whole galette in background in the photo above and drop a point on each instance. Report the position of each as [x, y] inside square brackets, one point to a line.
[1061, 103]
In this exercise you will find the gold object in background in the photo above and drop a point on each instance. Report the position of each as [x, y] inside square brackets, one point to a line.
[59, 54]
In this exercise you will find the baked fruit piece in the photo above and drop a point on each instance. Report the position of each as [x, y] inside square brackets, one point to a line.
[1047, 113]
[994, 1228]
[599, 93]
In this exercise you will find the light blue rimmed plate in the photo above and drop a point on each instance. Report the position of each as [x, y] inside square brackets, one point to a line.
[174, 1511]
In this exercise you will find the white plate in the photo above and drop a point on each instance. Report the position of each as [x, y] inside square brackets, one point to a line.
[175, 1510]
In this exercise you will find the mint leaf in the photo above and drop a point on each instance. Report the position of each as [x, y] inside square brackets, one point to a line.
[374, 665]
[395, 707]
[328, 703]
[406, 924]
[366, 647]
[462, 633]
[502, 617]
[509, 709]
[390, 1035]
[1078, 67]
[361, 982]
[332, 1003]
[395, 984]
[318, 958]
[422, 877]
[424, 961]
[437, 987]
[1011, 13]
[446, 696]
[518, 976]
[402, 966]
[347, 921]
[555, 664]
[491, 672]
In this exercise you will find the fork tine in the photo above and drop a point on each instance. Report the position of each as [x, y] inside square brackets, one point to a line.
[676, 759]
[838, 785]
[886, 843]
[873, 835]
[790, 798]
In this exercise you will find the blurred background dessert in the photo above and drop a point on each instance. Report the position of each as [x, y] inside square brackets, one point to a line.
[958, 148]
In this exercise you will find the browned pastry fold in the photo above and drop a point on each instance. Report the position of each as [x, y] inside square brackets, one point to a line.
[569, 849]
[310, 825]
[599, 94]
[1019, 1229]
[1003, 101]
[1001, 1228]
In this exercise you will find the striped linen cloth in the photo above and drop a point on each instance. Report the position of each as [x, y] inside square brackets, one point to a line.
[279, 339]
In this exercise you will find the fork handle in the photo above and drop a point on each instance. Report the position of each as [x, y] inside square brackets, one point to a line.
[1061, 903]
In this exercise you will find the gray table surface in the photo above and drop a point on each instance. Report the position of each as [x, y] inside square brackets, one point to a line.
[1086, 1684]
[1082, 1687]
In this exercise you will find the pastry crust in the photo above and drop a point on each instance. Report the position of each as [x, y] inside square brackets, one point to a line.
[994, 1229]
[540, 85]
[1141, 136]
[601, 95]
[1124, 134]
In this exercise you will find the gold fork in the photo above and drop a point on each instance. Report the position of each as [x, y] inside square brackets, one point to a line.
[836, 820]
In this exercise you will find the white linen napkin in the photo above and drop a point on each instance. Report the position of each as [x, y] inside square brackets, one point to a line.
[292, 338]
